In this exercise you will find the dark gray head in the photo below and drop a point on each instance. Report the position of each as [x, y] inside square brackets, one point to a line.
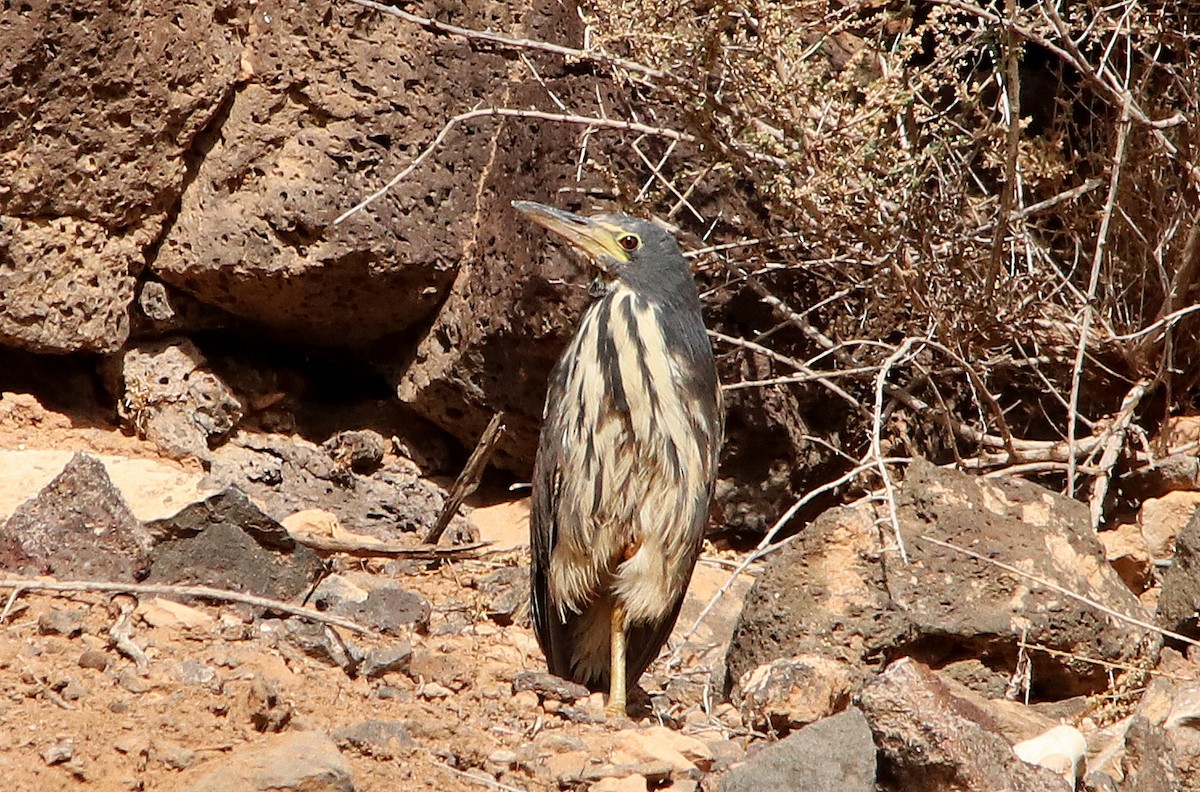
[623, 249]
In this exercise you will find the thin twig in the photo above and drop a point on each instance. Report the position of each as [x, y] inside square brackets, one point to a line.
[203, 592]
[468, 479]
[1009, 188]
[502, 40]
[877, 442]
[508, 112]
[1113, 441]
[360, 549]
[1118, 162]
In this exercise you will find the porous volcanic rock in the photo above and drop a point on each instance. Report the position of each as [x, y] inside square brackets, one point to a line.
[77, 526]
[841, 590]
[101, 104]
[931, 740]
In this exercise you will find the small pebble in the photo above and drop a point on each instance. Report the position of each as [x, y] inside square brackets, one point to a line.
[503, 757]
[58, 753]
[94, 659]
[73, 691]
[432, 690]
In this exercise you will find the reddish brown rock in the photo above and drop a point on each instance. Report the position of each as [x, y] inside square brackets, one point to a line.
[840, 590]
[933, 741]
[101, 104]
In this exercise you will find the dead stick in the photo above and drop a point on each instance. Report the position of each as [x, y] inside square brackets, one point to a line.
[332, 544]
[502, 40]
[203, 592]
[468, 480]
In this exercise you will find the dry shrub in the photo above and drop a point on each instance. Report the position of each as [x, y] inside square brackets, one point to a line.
[873, 148]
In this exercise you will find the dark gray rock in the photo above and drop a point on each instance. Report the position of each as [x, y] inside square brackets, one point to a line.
[321, 644]
[390, 610]
[78, 527]
[834, 754]
[840, 591]
[549, 686]
[226, 542]
[378, 738]
[360, 450]
[509, 591]
[287, 474]
[1180, 598]
[931, 740]
[300, 761]
[394, 658]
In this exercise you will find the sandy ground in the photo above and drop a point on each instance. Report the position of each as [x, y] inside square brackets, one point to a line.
[76, 713]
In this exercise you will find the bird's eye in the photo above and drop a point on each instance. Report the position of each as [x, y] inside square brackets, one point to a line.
[629, 242]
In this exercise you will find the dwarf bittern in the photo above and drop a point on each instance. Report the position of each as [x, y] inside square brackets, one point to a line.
[627, 458]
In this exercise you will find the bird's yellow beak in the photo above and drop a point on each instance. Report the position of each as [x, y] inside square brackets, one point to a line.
[594, 237]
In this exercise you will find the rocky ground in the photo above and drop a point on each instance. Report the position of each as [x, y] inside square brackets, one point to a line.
[836, 664]
[444, 693]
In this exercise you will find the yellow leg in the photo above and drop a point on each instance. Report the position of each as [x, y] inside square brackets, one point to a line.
[616, 672]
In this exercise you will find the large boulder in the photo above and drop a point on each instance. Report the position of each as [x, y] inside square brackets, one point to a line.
[102, 103]
[842, 593]
[337, 100]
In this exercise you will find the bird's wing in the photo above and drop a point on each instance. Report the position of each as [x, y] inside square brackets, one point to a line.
[543, 536]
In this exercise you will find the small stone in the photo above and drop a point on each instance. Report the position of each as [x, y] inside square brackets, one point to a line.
[132, 681]
[333, 590]
[171, 754]
[1161, 520]
[190, 672]
[659, 744]
[360, 450]
[549, 686]
[503, 758]
[94, 659]
[389, 610]
[59, 753]
[160, 612]
[304, 760]
[386, 660]
[630, 783]
[269, 712]
[378, 738]
[555, 742]
[58, 621]
[388, 692]
[319, 642]
[508, 588]
[1125, 549]
[73, 691]
[791, 692]
[432, 690]
[726, 753]
[132, 744]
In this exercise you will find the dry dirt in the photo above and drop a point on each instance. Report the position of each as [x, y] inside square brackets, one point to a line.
[66, 724]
